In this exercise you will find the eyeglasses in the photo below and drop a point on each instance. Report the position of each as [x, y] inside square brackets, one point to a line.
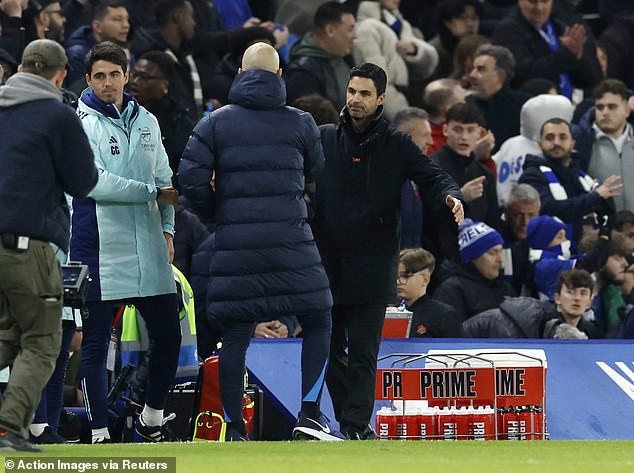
[402, 278]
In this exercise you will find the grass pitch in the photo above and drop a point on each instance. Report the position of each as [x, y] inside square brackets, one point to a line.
[374, 457]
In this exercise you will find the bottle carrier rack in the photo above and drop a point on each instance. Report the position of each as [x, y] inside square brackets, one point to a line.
[467, 395]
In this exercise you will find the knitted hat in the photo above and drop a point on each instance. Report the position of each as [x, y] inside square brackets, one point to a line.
[541, 231]
[475, 239]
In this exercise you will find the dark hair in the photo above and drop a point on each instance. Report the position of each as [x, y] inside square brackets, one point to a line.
[538, 86]
[555, 121]
[504, 60]
[106, 51]
[612, 86]
[100, 10]
[371, 71]
[574, 279]
[417, 259]
[245, 37]
[164, 10]
[322, 109]
[328, 13]
[449, 9]
[618, 243]
[623, 217]
[466, 48]
[465, 113]
[163, 61]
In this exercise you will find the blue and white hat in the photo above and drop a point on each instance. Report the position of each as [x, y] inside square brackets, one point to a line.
[541, 231]
[475, 239]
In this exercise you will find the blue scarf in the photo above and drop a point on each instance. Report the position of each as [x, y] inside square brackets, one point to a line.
[550, 36]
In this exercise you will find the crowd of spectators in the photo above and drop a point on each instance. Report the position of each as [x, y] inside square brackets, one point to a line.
[526, 104]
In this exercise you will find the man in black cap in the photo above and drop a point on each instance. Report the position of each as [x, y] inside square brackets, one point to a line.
[43, 154]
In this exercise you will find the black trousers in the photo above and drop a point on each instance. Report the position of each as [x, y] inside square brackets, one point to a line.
[351, 376]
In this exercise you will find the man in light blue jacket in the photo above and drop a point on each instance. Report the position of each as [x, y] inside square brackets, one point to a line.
[124, 232]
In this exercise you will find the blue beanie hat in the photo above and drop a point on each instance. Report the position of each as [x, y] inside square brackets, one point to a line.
[475, 239]
[541, 231]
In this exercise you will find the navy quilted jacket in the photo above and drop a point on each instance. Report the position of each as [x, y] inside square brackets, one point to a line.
[266, 263]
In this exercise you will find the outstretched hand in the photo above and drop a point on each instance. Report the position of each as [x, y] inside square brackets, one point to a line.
[456, 208]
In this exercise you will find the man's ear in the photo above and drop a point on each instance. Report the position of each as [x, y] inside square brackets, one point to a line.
[445, 129]
[380, 99]
[556, 298]
[43, 18]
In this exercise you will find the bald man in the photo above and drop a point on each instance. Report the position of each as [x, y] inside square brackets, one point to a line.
[266, 264]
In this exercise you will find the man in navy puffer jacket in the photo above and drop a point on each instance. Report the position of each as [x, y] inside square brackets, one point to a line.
[266, 264]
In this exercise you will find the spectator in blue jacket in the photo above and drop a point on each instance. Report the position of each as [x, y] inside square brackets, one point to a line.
[124, 232]
[265, 263]
[110, 22]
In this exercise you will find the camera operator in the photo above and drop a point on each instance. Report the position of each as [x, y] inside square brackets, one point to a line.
[43, 153]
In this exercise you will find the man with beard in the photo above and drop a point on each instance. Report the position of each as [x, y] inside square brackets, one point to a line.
[356, 225]
[564, 189]
[49, 22]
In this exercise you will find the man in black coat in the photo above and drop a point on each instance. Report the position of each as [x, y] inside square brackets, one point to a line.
[357, 230]
[493, 70]
[550, 45]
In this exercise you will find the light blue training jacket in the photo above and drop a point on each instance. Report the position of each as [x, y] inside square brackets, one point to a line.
[118, 229]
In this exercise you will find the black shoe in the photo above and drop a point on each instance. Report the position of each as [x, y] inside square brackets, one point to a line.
[13, 442]
[233, 435]
[47, 437]
[357, 434]
[315, 429]
[155, 433]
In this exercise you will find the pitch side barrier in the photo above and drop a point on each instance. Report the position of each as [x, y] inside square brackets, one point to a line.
[589, 384]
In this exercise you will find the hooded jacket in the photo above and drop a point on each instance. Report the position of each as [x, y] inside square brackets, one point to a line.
[43, 153]
[118, 230]
[311, 70]
[510, 157]
[358, 210]
[265, 264]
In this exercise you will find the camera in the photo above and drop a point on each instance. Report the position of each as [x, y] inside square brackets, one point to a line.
[75, 279]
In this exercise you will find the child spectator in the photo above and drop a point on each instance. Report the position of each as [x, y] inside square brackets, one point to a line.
[431, 318]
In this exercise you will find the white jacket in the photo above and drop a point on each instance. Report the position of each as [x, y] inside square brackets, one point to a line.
[376, 43]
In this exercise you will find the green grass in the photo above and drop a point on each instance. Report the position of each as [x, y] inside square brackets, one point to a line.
[375, 457]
